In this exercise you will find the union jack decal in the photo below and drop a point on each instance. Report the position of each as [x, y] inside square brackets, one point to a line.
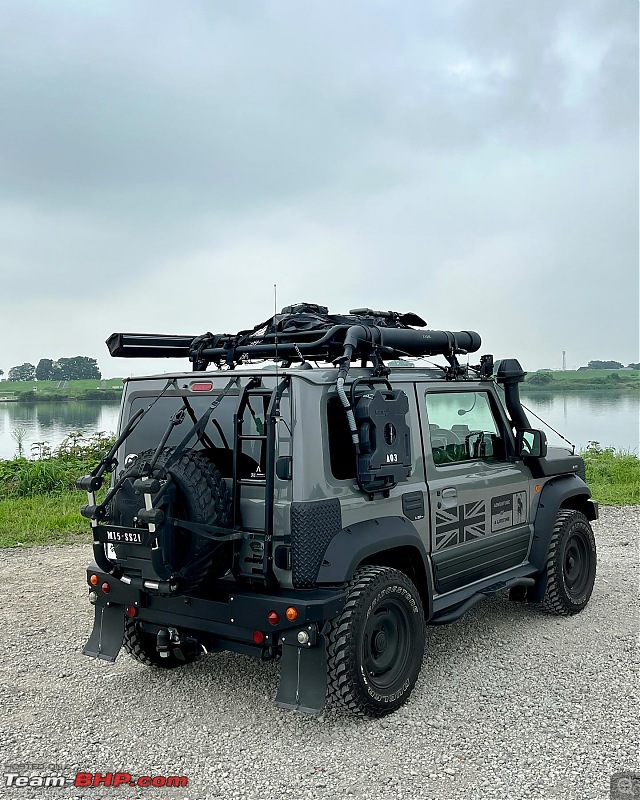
[461, 524]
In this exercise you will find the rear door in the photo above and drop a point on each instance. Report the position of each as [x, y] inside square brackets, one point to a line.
[480, 505]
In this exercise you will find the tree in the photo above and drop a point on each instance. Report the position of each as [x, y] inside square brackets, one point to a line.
[604, 365]
[44, 370]
[540, 379]
[630, 366]
[25, 372]
[76, 369]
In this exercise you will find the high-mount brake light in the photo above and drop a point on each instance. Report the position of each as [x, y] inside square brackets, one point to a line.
[273, 617]
[94, 580]
[202, 386]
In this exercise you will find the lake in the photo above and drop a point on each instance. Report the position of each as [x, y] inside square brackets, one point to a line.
[607, 417]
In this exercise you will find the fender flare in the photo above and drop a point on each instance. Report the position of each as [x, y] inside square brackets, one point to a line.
[353, 544]
[553, 495]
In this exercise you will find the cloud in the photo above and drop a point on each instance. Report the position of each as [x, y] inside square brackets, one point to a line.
[162, 165]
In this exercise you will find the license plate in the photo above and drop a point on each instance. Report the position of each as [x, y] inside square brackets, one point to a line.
[118, 534]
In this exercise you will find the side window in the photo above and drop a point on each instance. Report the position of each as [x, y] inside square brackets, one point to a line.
[462, 427]
[342, 455]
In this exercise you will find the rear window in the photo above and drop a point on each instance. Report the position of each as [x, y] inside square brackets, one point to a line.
[219, 429]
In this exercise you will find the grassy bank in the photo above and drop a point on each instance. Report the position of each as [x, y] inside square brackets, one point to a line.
[613, 476]
[57, 391]
[43, 519]
[583, 380]
[39, 504]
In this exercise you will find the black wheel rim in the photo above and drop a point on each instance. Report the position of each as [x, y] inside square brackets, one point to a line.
[386, 645]
[577, 564]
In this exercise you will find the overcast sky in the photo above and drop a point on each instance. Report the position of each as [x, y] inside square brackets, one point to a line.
[163, 164]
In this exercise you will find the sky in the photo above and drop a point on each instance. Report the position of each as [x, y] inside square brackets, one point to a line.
[164, 164]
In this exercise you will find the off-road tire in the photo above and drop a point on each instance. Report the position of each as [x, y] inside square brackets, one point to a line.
[383, 609]
[571, 564]
[142, 647]
[206, 498]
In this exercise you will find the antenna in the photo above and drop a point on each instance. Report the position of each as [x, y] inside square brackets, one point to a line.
[275, 324]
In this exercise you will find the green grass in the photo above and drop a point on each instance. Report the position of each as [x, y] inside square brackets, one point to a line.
[54, 472]
[39, 503]
[45, 391]
[43, 519]
[612, 476]
[583, 380]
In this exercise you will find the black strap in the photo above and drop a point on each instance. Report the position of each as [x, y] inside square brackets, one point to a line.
[213, 532]
[199, 425]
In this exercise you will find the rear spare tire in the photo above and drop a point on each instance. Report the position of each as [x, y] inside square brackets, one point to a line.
[201, 496]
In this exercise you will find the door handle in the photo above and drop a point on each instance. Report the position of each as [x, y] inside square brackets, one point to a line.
[448, 494]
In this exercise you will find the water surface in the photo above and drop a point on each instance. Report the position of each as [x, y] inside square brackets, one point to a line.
[607, 417]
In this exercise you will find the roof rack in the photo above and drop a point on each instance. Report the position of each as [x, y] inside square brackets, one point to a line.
[306, 332]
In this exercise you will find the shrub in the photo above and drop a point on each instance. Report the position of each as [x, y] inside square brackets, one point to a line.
[540, 379]
[54, 472]
[612, 475]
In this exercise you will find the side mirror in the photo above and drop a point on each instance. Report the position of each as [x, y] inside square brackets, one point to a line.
[531, 443]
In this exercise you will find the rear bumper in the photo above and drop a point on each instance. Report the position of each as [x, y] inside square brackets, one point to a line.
[227, 623]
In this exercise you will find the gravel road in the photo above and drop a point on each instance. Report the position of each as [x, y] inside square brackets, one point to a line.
[510, 703]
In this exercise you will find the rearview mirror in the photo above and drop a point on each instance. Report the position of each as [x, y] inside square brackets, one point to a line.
[531, 443]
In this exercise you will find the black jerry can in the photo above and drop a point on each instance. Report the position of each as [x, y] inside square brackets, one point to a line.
[385, 446]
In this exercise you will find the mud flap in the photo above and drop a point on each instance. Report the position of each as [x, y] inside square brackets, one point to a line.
[303, 677]
[107, 634]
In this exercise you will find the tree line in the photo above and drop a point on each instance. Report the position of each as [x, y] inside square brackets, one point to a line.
[608, 365]
[64, 369]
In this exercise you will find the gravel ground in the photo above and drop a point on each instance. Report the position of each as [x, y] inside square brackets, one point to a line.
[510, 703]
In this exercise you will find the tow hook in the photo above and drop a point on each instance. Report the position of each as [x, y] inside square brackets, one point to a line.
[169, 641]
[162, 643]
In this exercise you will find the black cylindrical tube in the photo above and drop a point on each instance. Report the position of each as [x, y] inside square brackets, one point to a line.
[429, 343]
[513, 404]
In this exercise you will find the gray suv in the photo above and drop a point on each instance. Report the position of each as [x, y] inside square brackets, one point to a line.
[322, 506]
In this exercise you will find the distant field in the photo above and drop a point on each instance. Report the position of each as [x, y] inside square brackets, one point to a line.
[56, 390]
[584, 379]
[47, 386]
[544, 380]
